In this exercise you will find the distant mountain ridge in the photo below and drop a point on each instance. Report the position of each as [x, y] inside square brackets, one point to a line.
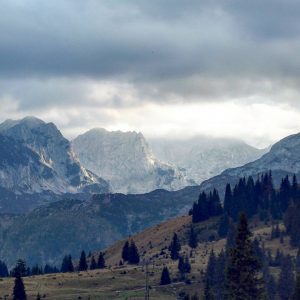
[203, 157]
[282, 159]
[50, 231]
[126, 161]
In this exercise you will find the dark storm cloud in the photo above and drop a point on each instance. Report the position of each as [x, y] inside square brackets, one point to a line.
[203, 49]
[145, 38]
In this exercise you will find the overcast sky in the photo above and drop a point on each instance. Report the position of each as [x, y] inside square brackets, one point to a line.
[164, 67]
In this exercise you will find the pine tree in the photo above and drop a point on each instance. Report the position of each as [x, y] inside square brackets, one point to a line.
[242, 274]
[228, 199]
[70, 264]
[270, 284]
[175, 247]
[134, 257]
[181, 266]
[19, 292]
[286, 281]
[223, 225]
[193, 241]
[3, 269]
[184, 266]
[101, 261]
[67, 264]
[295, 188]
[125, 251]
[231, 236]
[165, 276]
[292, 223]
[20, 268]
[219, 278]
[211, 269]
[82, 262]
[93, 264]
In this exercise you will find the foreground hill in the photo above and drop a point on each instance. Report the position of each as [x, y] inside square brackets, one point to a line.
[125, 160]
[204, 157]
[47, 233]
[283, 159]
[127, 281]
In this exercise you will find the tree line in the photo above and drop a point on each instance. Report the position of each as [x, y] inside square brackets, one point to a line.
[21, 270]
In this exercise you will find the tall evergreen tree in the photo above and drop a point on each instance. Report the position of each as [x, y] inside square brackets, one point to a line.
[286, 281]
[125, 251]
[93, 264]
[67, 264]
[270, 284]
[36, 270]
[228, 199]
[295, 188]
[134, 257]
[223, 225]
[292, 223]
[50, 269]
[165, 276]
[101, 261]
[19, 292]
[20, 268]
[82, 262]
[193, 241]
[242, 274]
[175, 247]
[184, 266]
[3, 269]
[285, 193]
[219, 288]
[211, 269]
[231, 237]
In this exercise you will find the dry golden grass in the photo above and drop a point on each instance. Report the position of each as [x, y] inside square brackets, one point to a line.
[127, 282]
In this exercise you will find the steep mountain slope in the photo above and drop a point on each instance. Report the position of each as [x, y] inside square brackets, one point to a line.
[203, 157]
[126, 161]
[49, 232]
[283, 159]
[35, 157]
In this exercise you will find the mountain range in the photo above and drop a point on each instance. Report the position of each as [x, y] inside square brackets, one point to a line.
[202, 157]
[38, 165]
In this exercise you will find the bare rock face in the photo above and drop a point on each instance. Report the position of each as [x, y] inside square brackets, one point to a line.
[126, 161]
[35, 157]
